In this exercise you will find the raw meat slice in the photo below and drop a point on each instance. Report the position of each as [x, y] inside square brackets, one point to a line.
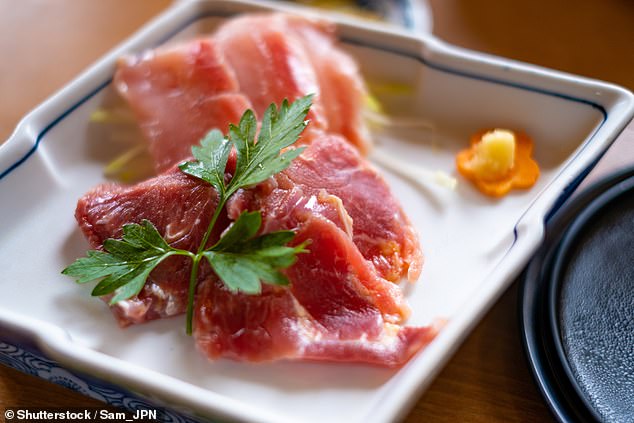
[331, 179]
[178, 94]
[332, 310]
[293, 56]
[269, 64]
[342, 89]
[337, 308]
[180, 207]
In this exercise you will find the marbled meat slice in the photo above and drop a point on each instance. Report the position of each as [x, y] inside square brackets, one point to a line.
[270, 65]
[331, 179]
[337, 307]
[180, 207]
[331, 311]
[178, 93]
[342, 89]
[181, 91]
[293, 56]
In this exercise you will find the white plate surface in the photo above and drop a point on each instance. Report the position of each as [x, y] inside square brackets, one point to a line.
[474, 245]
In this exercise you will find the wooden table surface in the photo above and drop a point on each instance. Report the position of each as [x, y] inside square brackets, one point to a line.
[44, 44]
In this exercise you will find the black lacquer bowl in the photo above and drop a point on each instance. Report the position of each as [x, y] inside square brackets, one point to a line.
[577, 305]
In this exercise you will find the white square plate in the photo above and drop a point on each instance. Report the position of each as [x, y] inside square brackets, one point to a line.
[474, 245]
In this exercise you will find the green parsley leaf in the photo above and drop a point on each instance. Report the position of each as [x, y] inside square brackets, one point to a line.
[242, 260]
[211, 156]
[259, 161]
[125, 264]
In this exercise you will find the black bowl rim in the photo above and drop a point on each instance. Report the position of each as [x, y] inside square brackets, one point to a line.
[544, 351]
[599, 203]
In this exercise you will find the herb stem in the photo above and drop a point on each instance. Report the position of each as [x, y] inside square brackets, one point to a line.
[184, 253]
[193, 282]
[193, 276]
[203, 243]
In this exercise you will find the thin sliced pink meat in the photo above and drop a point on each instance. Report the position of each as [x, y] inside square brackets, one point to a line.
[331, 179]
[337, 307]
[335, 283]
[179, 93]
[342, 89]
[331, 311]
[293, 56]
[269, 63]
[180, 207]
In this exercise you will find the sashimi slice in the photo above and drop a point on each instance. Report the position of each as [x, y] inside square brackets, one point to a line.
[331, 311]
[342, 88]
[179, 93]
[270, 65]
[180, 207]
[277, 56]
[331, 179]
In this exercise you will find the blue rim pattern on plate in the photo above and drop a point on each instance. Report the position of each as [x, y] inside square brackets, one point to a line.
[31, 361]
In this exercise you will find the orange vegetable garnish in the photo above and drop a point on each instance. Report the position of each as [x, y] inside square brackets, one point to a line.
[499, 181]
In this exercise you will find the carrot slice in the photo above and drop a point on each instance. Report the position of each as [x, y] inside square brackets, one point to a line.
[522, 175]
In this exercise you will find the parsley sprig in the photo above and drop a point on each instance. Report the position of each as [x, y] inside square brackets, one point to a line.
[241, 259]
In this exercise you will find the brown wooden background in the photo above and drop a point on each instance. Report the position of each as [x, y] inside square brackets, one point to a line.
[46, 43]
